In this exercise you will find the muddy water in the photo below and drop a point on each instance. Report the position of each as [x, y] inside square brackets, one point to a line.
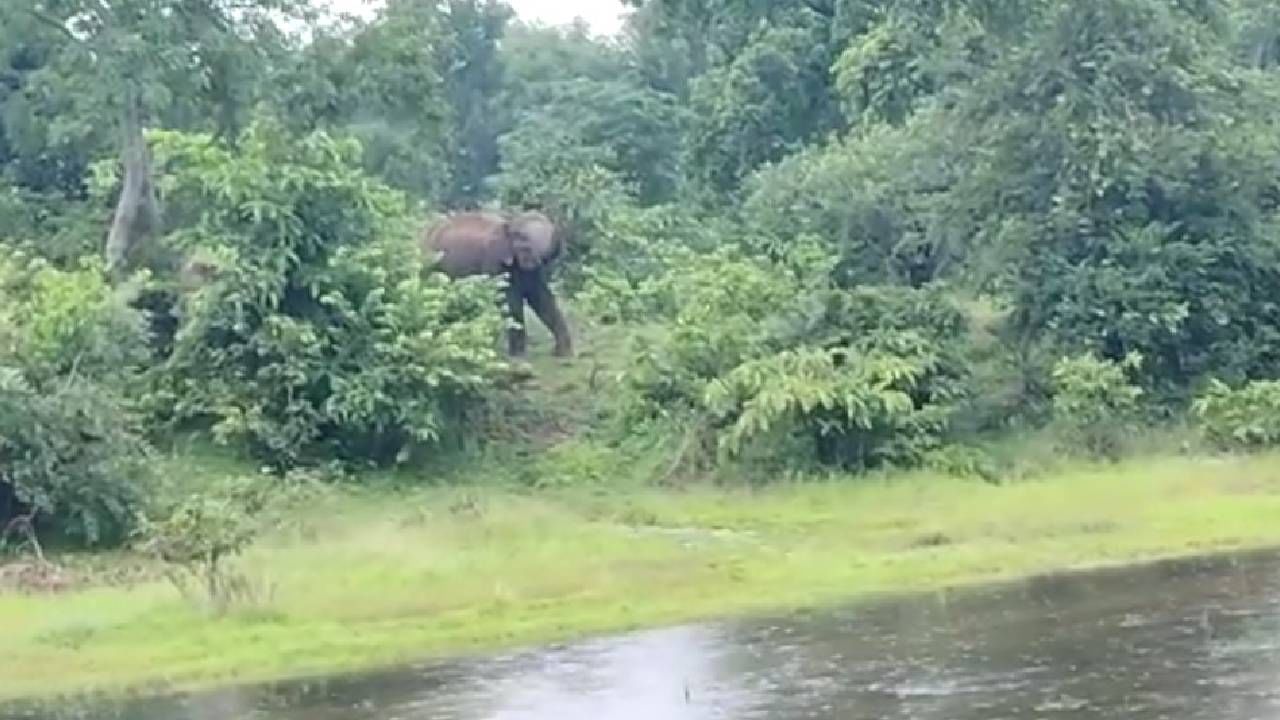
[1184, 640]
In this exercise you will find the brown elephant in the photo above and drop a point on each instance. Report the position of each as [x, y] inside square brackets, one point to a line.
[518, 245]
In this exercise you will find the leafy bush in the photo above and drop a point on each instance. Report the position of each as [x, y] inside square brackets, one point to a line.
[960, 460]
[199, 535]
[71, 447]
[1095, 402]
[575, 464]
[723, 299]
[1247, 418]
[763, 105]
[50, 226]
[885, 365]
[762, 354]
[320, 329]
[626, 275]
[858, 405]
[871, 198]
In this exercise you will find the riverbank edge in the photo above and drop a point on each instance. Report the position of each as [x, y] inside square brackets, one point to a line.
[383, 644]
[321, 671]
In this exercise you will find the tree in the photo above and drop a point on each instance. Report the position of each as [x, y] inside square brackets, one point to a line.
[765, 104]
[128, 59]
[473, 83]
[1257, 42]
[321, 329]
[638, 129]
[536, 60]
[390, 81]
[1118, 168]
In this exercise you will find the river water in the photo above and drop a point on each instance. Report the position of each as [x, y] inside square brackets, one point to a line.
[1177, 640]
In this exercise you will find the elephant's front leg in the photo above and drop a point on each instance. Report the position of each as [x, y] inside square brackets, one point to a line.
[544, 304]
[516, 336]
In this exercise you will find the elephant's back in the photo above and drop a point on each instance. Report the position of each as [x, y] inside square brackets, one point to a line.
[462, 240]
[464, 228]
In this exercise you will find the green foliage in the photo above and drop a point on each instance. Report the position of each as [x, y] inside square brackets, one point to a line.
[384, 82]
[959, 460]
[1117, 151]
[1095, 402]
[473, 72]
[627, 274]
[858, 403]
[199, 536]
[48, 225]
[1247, 418]
[721, 299]
[71, 449]
[794, 199]
[321, 329]
[1257, 33]
[882, 74]
[195, 63]
[637, 130]
[575, 464]
[872, 198]
[767, 355]
[757, 109]
[534, 56]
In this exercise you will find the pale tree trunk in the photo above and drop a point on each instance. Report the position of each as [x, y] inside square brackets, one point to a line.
[137, 211]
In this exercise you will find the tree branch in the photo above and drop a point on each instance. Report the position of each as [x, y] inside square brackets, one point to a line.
[52, 22]
[26, 526]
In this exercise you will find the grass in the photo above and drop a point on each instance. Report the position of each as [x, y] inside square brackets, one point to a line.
[367, 579]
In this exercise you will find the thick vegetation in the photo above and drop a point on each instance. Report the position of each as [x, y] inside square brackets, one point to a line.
[850, 234]
[817, 237]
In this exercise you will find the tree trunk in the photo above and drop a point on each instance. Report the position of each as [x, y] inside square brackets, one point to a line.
[137, 211]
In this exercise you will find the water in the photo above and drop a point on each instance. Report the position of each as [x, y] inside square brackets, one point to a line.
[1181, 640]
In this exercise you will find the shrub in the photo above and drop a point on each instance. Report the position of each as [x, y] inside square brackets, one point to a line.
[892, 360]
[1247, 418]
[626, 276]
[199, 535]
[1094, 401]
[765, 355]
[723, 299]
[871, 198]
[321, 331]
[49, 225]
[858, 404]
[574, 464]
[71, 449]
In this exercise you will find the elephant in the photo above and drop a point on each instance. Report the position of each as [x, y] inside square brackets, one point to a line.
[519, 245]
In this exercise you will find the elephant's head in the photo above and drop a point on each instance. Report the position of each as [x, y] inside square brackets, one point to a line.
[533, 239]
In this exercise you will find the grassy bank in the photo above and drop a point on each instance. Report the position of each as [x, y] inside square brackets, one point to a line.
[379, 578]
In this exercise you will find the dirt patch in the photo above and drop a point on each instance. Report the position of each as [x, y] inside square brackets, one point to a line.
[930, 540]
[36, 577]
[76, 572]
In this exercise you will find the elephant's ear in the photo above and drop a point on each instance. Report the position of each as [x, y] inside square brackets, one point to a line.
[500, 252]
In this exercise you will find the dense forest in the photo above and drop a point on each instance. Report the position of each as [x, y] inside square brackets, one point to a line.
[839, 235]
